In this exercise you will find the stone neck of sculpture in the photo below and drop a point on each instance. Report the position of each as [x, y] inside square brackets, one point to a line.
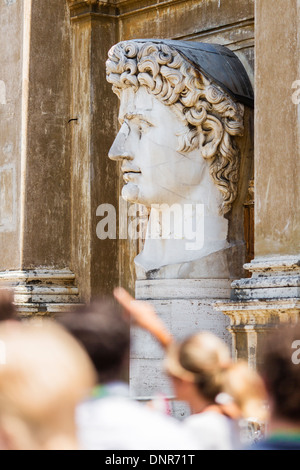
[189, 229]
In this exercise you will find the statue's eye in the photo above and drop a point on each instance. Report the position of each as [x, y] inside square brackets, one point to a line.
[143, 126]
[140, 126]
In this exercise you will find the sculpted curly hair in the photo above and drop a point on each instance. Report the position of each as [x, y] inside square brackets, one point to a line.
[201, 105]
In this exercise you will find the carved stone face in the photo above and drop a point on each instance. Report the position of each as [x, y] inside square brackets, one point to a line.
[154, 171]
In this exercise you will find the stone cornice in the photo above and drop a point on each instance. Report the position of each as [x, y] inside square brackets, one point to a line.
[115, 8]
[130, 7]
[80, 9]
[87, 4]
[119, 9]
[80, 3]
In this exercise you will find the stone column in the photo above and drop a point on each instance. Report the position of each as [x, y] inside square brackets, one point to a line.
[93, 126]
[272, 294]
[34, 169]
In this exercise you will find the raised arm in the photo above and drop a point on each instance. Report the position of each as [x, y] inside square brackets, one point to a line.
[144, 316]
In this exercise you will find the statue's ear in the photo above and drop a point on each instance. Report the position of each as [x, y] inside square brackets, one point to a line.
[211, 136]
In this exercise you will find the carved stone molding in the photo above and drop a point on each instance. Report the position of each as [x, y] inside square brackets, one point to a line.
[87, 3]
[252, 321]
[261, 303]
[80, 9]
[129, 6]
[119, 8]
[271, 278]
[260, 314]
[41, 292]
[274, 265]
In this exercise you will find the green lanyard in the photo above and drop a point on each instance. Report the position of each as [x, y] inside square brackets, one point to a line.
[116, 390]
[100, 392]
[285, 436]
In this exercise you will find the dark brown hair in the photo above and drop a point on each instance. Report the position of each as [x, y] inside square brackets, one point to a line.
[103, 330]
[281, 373]
[7, 307]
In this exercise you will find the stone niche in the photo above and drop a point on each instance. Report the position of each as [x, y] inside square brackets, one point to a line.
[184, 142]
[58, 121]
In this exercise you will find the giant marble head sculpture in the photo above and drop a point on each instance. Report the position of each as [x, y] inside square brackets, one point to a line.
[181, 107]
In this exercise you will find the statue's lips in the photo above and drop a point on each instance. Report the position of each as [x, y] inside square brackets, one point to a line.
[130, 174]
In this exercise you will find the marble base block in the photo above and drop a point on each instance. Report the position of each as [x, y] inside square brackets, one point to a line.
[186, 307]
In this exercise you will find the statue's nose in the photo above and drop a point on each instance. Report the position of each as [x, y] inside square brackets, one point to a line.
[119, 149]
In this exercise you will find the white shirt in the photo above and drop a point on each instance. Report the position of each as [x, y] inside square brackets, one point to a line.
[117, 423]
[214, 431]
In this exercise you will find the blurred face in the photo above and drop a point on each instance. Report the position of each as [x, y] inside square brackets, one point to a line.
[154, 172]
[183, 389]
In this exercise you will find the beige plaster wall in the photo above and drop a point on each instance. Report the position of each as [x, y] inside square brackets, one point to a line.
[277, 228]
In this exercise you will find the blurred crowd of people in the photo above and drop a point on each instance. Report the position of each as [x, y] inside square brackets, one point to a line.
[63, 384]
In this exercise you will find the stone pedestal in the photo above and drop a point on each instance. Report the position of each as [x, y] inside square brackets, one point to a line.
[185, 306]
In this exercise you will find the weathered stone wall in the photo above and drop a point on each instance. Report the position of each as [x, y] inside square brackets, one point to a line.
[11, 19]
[277, 138]
[35, 182]
[34, 142]
[46, 181]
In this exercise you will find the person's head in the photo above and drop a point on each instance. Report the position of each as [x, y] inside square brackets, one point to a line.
[103, 330]
[201, 367]
[46, 373]
[281, 372]
[177, 126]
[7, 307]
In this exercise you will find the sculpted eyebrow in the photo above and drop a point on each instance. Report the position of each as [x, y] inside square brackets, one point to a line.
[141, 117]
